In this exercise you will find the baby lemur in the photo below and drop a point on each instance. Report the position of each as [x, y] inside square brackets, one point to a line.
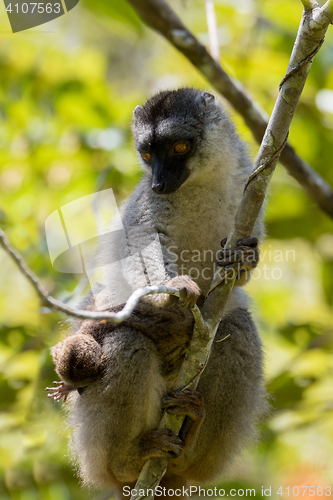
[122, 376]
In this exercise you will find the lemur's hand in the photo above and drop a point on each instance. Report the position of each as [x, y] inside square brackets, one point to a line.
[60, 391]
[184, 402]
[189, 292]
[243, 258]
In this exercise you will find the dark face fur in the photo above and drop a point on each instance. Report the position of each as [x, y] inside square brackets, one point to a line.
[168, 131]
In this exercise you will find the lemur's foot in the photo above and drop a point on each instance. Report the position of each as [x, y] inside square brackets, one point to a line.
[189, 292]
[160, 443]
[60, 391]
[186, 402]
[243, 258]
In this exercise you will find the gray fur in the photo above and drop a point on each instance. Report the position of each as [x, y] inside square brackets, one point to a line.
[142, 357]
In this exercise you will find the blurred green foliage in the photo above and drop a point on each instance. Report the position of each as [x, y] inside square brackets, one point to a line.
[62, 86]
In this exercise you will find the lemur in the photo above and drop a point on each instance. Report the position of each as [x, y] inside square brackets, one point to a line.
[121, 377]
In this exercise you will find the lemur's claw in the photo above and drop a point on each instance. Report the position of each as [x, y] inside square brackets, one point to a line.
[248, 242]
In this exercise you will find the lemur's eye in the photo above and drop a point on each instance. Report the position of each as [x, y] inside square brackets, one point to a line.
[181, 147]
[146, 156]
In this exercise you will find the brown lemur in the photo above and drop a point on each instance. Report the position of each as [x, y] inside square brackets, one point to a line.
[120, 376]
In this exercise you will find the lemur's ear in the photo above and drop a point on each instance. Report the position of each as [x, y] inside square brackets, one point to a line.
[137, 111]
[205, 99]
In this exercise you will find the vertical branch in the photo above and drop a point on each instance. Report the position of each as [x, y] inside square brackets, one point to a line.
[212, 29]
[309, 39]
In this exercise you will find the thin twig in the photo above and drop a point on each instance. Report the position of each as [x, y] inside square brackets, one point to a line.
[158, 15]
[48, 300]
[32, 278]
[212, 30]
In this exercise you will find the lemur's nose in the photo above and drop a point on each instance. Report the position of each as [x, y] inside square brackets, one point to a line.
[158, 187]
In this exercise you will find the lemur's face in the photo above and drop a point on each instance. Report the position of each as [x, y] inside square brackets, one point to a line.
[168, 132]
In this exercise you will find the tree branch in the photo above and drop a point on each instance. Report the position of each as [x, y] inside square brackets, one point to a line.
[159, 16]
[308, 41]
[309, 4]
